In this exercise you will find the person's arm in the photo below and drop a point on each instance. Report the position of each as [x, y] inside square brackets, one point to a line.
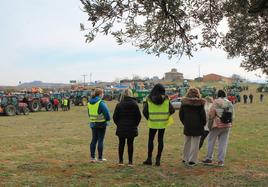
[105, 111]
[116, 115]
[138, 115]
[203, 116]
[145, 111]
[212, 112]
[181, 114]
[171, 109]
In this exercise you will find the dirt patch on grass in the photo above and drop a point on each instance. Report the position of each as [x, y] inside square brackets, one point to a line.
[33, 166]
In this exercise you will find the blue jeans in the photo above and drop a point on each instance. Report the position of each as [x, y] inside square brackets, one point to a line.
[97, 137]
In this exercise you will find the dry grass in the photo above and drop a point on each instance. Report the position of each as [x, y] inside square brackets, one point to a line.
[51, 149]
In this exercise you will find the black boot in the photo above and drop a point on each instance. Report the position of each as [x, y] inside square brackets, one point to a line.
[148, 161]
[157, 161]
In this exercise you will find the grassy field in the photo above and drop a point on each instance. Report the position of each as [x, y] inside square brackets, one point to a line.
[52, 149]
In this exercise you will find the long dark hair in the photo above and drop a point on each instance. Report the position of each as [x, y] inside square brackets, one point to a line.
[158, 91]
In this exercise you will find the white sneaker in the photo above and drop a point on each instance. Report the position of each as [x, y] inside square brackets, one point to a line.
[102, 160]
[93, 160]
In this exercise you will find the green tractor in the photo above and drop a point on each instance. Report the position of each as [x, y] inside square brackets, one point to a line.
[208, 91]
[263, 88]
[140, 95]
[234, 86]
[80, 97]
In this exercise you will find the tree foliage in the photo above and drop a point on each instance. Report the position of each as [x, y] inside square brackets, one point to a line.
[180, 27]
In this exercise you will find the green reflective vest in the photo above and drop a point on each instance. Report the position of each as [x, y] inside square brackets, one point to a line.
[93, 112]
[159, 117]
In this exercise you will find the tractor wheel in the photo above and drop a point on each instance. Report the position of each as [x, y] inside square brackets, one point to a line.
[76, 102]
[25, 110]
[84, 101]
[35, 106]
[10, 110]
[48, 107]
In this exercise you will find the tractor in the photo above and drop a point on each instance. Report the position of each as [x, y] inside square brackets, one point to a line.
[108, 94]
[263, 88]
[80, 97]
[234, 86]
[233, 96]
[10, 106]
[140, 95]
[32, 102]
[208, 91]
[44, 101]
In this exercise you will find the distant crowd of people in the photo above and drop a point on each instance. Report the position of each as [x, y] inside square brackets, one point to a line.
[250, 97]
[200, 118]
[65, 104]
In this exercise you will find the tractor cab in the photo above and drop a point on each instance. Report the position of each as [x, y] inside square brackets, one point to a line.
[10, 106]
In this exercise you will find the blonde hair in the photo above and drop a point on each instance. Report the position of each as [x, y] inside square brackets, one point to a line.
[193, 93]
[128, 92]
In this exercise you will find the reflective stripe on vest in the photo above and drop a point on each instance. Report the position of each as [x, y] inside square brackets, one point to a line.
[158, 115]
[93, 112]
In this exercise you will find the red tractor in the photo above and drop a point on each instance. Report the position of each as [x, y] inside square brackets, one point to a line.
[32, 102]
[10, 106]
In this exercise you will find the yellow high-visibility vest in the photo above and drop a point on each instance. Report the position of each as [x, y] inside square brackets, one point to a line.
[93, 112]
[65, 102]
[159, 117]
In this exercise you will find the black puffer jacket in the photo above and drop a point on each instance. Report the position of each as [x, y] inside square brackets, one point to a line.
[127, 117]
[193, 116]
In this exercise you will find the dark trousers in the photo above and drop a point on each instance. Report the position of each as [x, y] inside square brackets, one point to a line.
[97, 137]
[152, 133]
[203, 137]
[56, 108]
[122, 141]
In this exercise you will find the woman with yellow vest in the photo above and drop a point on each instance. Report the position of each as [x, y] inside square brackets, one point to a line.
[157, 111]
[98, 116]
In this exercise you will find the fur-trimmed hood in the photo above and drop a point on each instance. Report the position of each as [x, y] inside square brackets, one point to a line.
[193, 101]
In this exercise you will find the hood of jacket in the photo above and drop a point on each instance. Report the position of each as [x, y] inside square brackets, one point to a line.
[94, 100]
[192, 101]
[158, 100]
[222, 103]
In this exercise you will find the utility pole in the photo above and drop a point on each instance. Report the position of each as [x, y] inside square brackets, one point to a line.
[84, 79]
[90, 77]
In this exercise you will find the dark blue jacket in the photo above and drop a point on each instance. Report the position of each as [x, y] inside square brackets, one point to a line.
[102, 109]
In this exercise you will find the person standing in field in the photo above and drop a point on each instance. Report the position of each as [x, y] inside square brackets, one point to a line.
[65, 104]
[56, 104]
[245, 97]
[126, 117]
[207, 107]
[157, 110]
[261, 97]
[193, 117]
[99, 117]
[250, 98]
[220, 130]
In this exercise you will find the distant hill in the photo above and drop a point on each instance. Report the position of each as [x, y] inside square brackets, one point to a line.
[41, 84]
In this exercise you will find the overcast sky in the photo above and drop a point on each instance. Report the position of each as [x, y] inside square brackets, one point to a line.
[41, 40]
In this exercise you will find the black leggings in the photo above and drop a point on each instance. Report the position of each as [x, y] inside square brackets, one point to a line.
[152, 133]
[122, 141]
